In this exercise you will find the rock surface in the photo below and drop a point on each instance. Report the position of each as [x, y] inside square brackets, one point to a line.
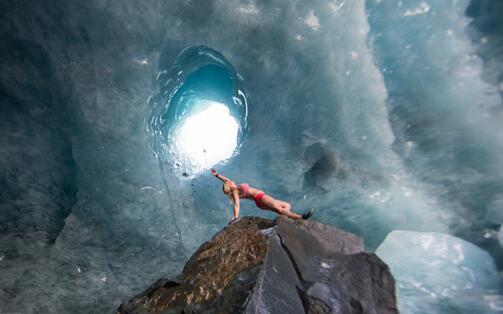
[283, 266]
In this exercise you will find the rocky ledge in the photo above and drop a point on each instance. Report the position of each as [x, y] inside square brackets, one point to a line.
[258, 265]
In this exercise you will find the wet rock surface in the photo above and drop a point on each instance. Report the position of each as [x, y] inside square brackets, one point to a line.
[283, 266]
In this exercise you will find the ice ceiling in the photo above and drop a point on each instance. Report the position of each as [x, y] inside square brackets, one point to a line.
[384, 115]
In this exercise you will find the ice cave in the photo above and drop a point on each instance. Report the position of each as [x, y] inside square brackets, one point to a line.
[385, 116]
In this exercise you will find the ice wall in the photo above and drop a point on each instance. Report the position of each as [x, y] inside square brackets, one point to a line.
[445, 116]
[343, 116]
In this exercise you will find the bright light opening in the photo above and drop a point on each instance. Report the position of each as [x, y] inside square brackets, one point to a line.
[207, 137]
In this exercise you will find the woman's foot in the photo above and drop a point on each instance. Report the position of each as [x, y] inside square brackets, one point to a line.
[308, 214]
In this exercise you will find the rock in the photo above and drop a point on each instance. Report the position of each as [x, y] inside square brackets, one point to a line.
[261, 266]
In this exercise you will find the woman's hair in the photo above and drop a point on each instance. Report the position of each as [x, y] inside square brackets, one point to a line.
[226, 188]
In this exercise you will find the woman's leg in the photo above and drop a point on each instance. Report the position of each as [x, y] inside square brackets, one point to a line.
[284, 208]
[279, 207]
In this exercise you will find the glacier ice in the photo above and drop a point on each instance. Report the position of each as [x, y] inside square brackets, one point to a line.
[373, 112]
[440, 273]
[446, 118]
[495, 209]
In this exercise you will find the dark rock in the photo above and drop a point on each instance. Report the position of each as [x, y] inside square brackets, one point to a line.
[335, 270]
[260, 266]
[277, 283]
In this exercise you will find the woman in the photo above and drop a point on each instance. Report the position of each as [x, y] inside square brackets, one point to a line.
[262, 200]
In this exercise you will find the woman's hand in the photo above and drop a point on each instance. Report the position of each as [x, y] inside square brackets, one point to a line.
[214, 172]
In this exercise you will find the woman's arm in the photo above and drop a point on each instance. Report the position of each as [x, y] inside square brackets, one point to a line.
[219, 176]
[235, 196]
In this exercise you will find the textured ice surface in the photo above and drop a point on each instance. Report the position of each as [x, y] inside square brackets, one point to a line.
[446, 118]
[440, 273]
[376, 113]
[495, 209]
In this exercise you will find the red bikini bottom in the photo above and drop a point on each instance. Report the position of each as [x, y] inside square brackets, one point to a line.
[258, 199]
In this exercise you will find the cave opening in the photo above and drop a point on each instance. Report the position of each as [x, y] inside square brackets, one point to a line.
[207, 137]
[199, 116]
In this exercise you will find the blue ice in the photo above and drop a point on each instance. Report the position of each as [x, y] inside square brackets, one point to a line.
[440, 273]
[500, 236]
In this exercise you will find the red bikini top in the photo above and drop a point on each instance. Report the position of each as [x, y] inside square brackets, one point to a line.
[243, 189]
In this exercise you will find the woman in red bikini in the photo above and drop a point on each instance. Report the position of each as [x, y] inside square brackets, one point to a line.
[262, 200]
